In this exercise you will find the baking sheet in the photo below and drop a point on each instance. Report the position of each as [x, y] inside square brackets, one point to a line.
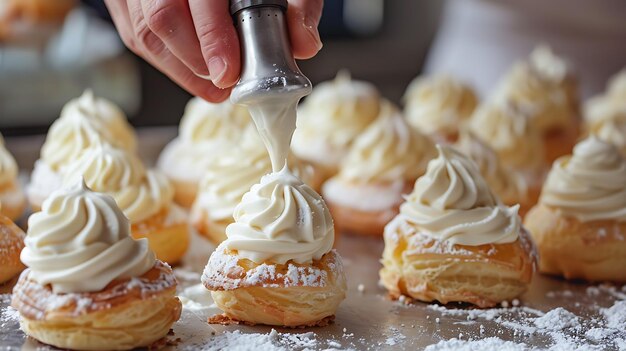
[367, 320]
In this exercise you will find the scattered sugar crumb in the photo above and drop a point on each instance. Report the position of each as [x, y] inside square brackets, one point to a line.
[361, 288]
[492, 343]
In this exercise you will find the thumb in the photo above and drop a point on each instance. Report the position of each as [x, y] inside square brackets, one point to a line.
[303, 16]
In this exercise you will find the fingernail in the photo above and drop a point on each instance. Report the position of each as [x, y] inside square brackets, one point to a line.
[311, 28]
[217, 68]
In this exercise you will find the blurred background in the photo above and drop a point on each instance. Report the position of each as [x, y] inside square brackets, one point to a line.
[54, 49]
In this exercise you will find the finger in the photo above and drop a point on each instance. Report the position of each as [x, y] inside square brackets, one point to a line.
[119, 13]
[153, 50]
[218, 40]
[303, 16]
[171, 21]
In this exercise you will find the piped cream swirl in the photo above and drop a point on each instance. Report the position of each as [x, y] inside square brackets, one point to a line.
[84, 122]
[590, 184]
[80, 242]
[204, 121]
[510, 186]
[452, 202]
[438, 104]
[8, 166]
[331, 118]
[140, 193]
[281, 219]
[387, 151]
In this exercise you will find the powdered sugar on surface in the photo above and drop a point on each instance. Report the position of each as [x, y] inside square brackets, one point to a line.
[486, 344]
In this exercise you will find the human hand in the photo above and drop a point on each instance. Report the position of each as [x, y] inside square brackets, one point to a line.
[189, 39]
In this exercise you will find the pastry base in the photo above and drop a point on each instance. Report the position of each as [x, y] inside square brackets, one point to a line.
[169, 241]
[185, 192]
[424, 269]
[125, 315]
[593, 251]
[15, 201]
[223, 319]
[560, 142]
[294, 295]
[214, 231]
[11, 245]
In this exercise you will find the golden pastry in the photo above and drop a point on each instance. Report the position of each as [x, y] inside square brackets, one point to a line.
[232, 174]
[453, 241]
[89, 285]
[331, 118]
[439, 106]
[505, 127]
[545, 88]
[507, 184]
[206, 130]
[11, 244]
[84, 122]
[145, 196]
[11, 195]
[605, 115]
[382, 165]
[579, 224]
[277, 266]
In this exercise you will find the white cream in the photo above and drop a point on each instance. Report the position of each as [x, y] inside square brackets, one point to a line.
[80, 242]
[281, 219]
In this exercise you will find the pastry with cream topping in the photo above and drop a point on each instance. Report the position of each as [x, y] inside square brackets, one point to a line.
[453, 241]
[145, 196]
[277, 265]
[206, 130]
[11, 244]
[605, 115]
[508, 185]
[579, 224]
[90, 285]
[544, 87]
[383, 163]
[84, 122]
[232, 175]
[505, 127]
[439, 106]
[331, 118]
[11, 195]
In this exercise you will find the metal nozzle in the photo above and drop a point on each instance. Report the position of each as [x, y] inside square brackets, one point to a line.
[268, 66]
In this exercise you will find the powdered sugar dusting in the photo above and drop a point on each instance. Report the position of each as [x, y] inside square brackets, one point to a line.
[224, 272]
[492, 343]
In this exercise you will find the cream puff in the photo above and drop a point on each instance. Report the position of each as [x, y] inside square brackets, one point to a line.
[232, 174]
[382, 165]
[439, 106]
[84, 121]
[11, 195]
[11, 245]
[89, 285]
[277, 266]
[579, 224]
[506, 128]
[545, 88]
[145, 196]
[605, 115]
[330, 119]
[453, 240]
[206, 130]
[507, 184]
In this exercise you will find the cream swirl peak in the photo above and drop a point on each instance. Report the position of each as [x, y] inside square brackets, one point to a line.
[387, 151]
[281, 219]
[590, 184]
[8, 166]
[453, 202]
[438, 104]
[204, 121]
[510, 186]
[80, 242]
[139, 192]
[83, 122]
